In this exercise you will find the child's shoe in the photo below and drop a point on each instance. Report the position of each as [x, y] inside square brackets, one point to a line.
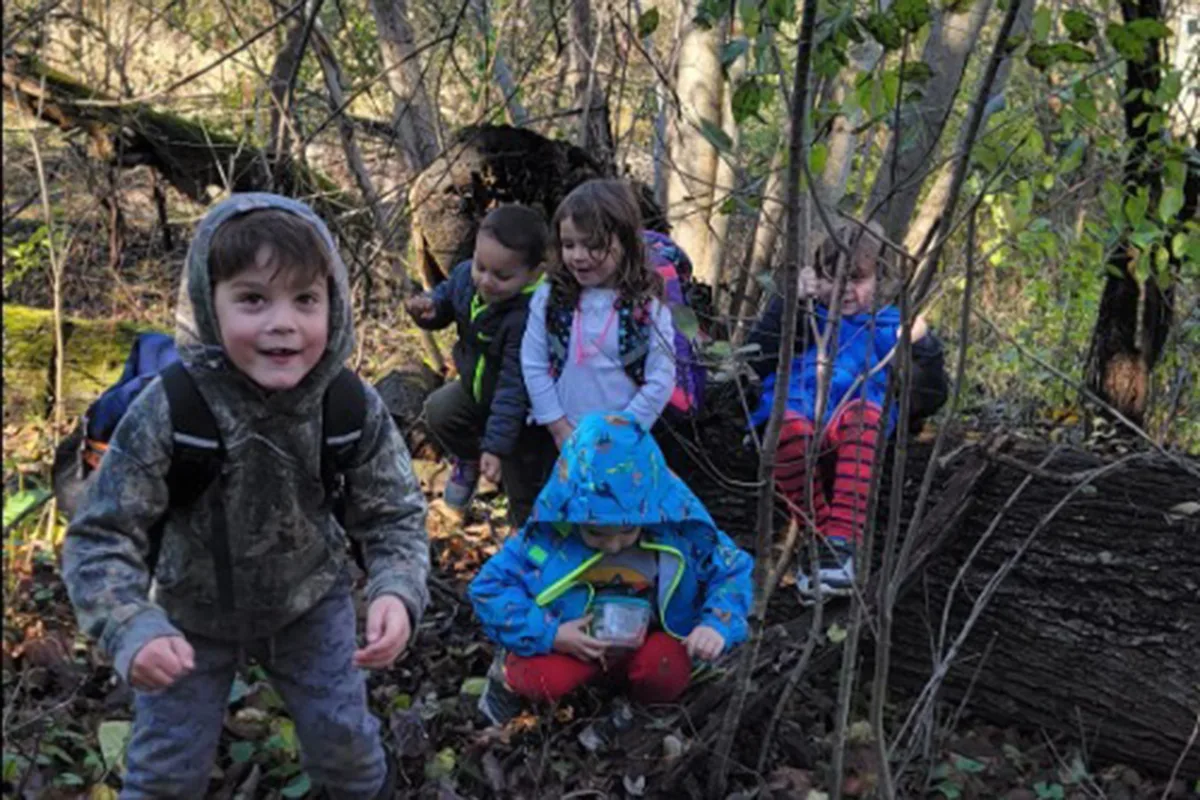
[460, 488]
[498, 704]
[835, 571]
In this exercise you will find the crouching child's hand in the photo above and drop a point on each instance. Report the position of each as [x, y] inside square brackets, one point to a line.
[161, 662]
[704, 643]
[573, 639]
[388, 631]
[489, 465]
[420, 307]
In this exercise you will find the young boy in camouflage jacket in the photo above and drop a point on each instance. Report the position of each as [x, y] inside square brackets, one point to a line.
[265, 326]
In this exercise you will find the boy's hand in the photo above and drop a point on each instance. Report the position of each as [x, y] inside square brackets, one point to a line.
[573, 639]
[489, 466]
[920, 328]
[808, 282]
[161, 662]
[704, 643]
[561, 429]
[420, 307]
[388, 632]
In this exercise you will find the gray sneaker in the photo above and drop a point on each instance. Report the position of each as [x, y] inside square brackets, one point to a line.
[835, 571]
[460, 488]
[498, 704]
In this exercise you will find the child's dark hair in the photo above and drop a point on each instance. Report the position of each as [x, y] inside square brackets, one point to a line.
[292, 244]
[602, 209]
[520, 229]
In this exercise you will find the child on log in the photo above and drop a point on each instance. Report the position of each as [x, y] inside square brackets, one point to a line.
[849, 427]
[481, 417]
[620, 573]
[255, 564]
[599, 337]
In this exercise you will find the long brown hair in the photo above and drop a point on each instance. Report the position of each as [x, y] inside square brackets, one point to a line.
[603, 209]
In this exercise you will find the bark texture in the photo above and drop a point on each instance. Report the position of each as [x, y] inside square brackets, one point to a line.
[594, 133]
[415, 117]
[912, 149]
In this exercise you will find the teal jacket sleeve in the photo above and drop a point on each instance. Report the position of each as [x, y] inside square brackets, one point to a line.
[725, 574]
[503, 598]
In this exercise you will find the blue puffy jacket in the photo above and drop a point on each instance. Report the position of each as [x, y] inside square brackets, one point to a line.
[611, 472]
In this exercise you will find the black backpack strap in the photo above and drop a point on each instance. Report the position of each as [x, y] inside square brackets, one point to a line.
[195, 465]
[343, 417]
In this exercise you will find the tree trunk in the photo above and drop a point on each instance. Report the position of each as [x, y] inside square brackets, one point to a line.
[1094, 632]
[415, 117]
[500, 72]
[935, 201]
[693, 171]
[911, 150]
[725, 180]
[594, 133]
[1124, 350]
[842, 141]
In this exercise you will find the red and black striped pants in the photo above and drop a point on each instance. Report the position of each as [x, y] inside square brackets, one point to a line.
[848, 443]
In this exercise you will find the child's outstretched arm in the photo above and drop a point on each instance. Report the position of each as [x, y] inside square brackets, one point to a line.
[728, 590]
[385, 512]
[107, 543]
[504, 601]
[535, 364]
[435, 310]
[655, 393]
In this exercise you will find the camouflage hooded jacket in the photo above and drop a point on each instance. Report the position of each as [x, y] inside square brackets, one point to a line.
[287, 548]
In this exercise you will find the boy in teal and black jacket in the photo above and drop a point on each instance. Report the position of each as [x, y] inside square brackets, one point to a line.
[614, 527]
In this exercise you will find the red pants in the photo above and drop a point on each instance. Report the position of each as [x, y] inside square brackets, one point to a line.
[657, 672]
[850, 439]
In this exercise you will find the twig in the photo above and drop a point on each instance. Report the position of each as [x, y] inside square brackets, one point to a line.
[1191, 742]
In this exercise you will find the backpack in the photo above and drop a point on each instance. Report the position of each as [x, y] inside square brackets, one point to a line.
[198, 450]
[633, 329]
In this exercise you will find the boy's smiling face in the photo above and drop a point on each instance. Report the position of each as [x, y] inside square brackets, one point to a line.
[610, 539]
[273, 326]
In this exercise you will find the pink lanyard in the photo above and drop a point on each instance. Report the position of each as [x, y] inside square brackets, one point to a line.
[580, 353]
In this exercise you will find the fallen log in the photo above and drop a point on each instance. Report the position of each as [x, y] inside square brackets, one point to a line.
[1094, 631]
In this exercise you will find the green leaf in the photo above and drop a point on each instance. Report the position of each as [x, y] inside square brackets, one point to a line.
[883, 29]
[1080, 26]
[23, 503]
[14, 765]
[1040, 56]
[1170, 88]
[1179, 244]
[916, 72]
[950, 791]
[1170, 204]
[749, 96]
[732, 50]
[836, 633]
[818, 155]
[299, 787]
[780, 11]
[1149, 29]
[473, 686]
[968, 765]
[69, 779]
[1041, 24]
[1072, 53]
[719, 349]
[715, 136]
[685, 321]
[1129, 45]
[442, 765]
[647, 23]
[113, 736]
[241, 752]
[238, 690]
[1136, 206]
[912, 14]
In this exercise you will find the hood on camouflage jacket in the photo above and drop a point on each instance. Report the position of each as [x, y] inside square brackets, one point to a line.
[611, 472]
[287, 548]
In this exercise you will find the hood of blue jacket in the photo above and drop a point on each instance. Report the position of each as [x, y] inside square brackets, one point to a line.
[612, 472]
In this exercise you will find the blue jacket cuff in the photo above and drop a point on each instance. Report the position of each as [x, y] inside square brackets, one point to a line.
[138, 631]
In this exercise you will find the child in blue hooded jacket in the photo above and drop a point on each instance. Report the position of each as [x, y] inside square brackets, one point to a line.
[614, 526]
[848, 431]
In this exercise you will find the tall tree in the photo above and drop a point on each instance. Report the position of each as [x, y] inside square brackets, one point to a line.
[1161, 190]
[594, 133]
[693, 169]
[415, 117]
[912, 148]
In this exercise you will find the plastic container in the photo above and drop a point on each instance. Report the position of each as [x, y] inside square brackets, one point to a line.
[621, 621]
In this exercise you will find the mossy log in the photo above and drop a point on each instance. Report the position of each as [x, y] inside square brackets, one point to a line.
[191, 155]
[95, 355]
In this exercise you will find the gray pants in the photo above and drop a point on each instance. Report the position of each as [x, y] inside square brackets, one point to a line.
[310, 662]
